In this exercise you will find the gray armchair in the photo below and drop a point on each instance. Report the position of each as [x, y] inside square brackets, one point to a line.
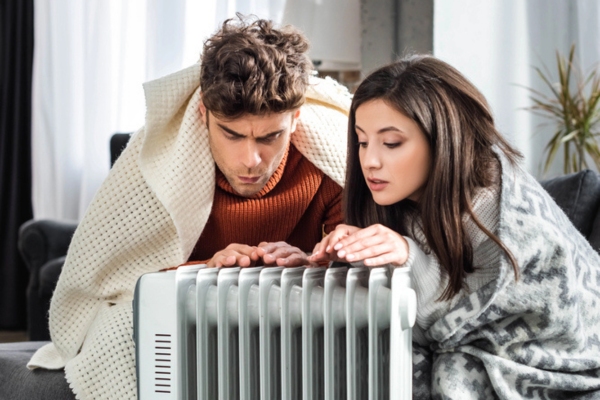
[578, 195]
[43, 245]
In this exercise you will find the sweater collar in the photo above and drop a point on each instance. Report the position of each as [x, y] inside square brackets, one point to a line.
[223, 184]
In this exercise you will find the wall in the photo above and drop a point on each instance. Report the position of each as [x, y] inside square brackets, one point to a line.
[390, 28]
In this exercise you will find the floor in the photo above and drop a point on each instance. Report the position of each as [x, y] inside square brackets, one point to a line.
[13, 336]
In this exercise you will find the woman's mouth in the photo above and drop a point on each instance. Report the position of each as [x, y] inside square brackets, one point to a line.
[376, 184]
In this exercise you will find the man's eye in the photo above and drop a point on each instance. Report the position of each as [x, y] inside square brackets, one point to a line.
[268, 139]
[229, 136]
[392, 145]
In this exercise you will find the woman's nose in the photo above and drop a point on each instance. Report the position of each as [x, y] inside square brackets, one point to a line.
[370, 158]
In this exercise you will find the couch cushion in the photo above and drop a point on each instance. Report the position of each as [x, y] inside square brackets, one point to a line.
[594, 238]
[19, 383]
[49, 274]
[578, 195]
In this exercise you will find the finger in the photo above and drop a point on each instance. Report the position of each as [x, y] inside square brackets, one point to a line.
[244, 261]
[320, 257]
[324, 258]
[370, 231]
[265, 248]
[252, 253]
[293, 260]
[216, 261]
[389, 258]
[284, 251]
[254, 256]
[226, 261]
[319, 249]
[334, 239]
[384, 251]
[357, 244]
[269, 259]
[236, 248]
[259, 252]
[269, 247]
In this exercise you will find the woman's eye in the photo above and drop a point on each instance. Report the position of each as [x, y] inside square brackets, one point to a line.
[392, 145]
[362, 144]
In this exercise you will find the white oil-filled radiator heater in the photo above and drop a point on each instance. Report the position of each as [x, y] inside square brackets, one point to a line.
[274, 333]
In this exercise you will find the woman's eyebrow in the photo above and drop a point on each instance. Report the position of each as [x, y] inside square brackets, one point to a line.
[382, 130]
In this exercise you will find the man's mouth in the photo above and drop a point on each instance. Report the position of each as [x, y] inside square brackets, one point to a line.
[249, 179]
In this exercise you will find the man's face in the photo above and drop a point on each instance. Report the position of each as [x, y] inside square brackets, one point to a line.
[248, 149]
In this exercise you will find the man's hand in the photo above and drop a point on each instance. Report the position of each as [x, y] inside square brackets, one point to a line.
[281, 254]
[234, 254]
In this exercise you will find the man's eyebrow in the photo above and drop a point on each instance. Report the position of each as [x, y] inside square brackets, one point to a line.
[239, 135]
[270, 135]
[382, 130]
[230, 131]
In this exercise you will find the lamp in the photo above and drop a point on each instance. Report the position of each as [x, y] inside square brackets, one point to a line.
[333, 28]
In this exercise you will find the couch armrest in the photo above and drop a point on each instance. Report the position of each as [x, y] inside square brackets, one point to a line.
[43, 240]
[43, 245]
[578, 195]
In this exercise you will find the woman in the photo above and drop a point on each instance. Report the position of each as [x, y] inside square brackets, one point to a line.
[501, 275]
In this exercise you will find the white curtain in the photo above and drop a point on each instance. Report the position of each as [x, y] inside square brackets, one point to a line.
[496, 44]
[91, 58]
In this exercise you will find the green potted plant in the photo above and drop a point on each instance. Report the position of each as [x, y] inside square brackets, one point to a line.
[574, 107]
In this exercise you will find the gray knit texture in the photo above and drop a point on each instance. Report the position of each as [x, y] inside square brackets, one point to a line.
[534, 338]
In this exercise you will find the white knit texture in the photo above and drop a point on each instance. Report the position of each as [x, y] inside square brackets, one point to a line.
[148, 215]
[428, 277]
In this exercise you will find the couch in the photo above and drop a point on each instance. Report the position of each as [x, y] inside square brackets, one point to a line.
[577, 194]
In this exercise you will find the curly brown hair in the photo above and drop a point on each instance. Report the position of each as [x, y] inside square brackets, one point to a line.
[249, 67]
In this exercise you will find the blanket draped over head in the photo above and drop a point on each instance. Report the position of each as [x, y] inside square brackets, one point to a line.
[536, 338]
[148, 215]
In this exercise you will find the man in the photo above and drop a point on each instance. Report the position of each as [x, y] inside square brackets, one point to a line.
[250, 121]
[240, 162]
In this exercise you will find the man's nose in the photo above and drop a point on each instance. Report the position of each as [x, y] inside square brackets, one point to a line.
[251, 157]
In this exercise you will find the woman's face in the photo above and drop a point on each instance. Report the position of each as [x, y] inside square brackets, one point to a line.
[394, 153]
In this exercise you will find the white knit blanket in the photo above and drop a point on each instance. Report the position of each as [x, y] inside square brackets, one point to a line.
[148, 215]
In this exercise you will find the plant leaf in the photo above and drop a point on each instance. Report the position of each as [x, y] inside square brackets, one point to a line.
[574, 106]
[569, 136]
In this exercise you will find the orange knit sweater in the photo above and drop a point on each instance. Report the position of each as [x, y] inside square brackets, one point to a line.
[296, 205]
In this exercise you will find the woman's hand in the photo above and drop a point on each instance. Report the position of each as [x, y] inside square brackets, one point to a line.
[324, 251]
[374, 245]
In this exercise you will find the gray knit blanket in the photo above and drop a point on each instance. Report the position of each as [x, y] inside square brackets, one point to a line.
[534, 338]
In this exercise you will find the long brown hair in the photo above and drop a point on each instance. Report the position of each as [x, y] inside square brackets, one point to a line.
[459, 127]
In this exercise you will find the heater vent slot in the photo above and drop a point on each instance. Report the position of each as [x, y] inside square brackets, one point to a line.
[163, 360]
